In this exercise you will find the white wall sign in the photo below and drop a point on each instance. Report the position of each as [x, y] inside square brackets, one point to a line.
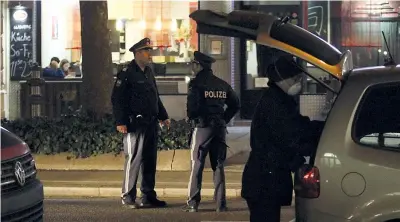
[216, 47]
[261, 82]
[20, 15]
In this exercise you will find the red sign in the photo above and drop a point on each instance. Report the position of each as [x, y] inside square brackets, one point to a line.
[54, 27]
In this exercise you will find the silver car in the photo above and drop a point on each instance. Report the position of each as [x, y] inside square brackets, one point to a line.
[354, 175]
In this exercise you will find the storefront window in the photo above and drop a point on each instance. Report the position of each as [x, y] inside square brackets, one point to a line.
[362, 25]
[60, 31]
[166, 23]
[276, 8]
[251, 66]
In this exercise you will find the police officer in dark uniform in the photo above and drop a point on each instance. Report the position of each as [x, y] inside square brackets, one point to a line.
[137, 109]
[279, 138]
[206, 99]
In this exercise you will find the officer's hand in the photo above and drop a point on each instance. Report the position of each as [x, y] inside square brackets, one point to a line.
[122, 129]
[166, 122]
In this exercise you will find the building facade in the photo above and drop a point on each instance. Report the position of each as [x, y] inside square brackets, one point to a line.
[55, 32]
[3, 77]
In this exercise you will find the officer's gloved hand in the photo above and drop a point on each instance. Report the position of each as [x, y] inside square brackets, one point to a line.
[296, 163]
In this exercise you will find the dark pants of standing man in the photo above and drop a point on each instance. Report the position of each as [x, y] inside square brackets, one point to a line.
[208, 140]
[140, 150]
[264, 209]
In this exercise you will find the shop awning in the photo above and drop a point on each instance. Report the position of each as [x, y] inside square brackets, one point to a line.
[270, 31]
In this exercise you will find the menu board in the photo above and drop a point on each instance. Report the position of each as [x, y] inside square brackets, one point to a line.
[21, 43]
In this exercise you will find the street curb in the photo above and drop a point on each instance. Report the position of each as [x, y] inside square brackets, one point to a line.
[116, 192]
[167, 160]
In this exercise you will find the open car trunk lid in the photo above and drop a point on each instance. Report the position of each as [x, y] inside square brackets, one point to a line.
[270, 31]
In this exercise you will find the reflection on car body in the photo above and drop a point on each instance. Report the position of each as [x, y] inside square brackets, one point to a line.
[21, 192]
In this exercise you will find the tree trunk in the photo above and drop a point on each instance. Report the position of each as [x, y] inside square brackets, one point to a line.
[96, 58]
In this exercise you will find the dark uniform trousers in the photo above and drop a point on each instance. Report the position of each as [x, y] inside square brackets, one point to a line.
[274, 191]
[263, 210]
[140, 148]
[206, 140]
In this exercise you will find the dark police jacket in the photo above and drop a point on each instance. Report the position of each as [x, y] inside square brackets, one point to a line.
[135, 93]
[207, 97]
[279, 135]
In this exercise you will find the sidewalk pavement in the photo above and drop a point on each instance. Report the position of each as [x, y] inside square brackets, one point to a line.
[108, 183]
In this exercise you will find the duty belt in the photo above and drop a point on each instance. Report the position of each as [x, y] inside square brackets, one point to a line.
[209, 122]
[141, 118]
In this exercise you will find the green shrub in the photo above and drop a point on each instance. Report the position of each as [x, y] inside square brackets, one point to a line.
[84, 137]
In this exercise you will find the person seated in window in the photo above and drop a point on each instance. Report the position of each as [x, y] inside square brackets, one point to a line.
[71, 72]
[52, 70]
[64, 66]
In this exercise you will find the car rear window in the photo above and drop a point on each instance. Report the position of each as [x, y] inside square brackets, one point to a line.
[377, 120]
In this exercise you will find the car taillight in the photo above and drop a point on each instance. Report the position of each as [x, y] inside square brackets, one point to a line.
[307, 182]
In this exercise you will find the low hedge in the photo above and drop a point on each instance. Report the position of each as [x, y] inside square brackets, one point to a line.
[84, 137]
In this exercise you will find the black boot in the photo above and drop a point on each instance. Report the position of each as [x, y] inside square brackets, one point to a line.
[152, 202]
[222, 209]
[221, 206]
[128, 202]
[191, 207]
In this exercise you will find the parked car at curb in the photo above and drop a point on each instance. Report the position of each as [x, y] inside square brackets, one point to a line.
[354, 174]
[21, 192]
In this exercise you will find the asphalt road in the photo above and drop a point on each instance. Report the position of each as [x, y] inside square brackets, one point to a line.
[110, 210]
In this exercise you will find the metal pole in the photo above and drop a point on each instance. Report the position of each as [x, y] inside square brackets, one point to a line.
[36, 83]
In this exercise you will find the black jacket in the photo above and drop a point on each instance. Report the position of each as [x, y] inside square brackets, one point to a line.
[207, 97]
[279, 135]
[135, 93]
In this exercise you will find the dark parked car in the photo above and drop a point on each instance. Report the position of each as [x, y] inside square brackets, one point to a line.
[21, 192]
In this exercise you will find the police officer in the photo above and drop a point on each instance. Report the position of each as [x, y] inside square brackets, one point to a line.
[206, 99]
[279, 138]
[137, 107]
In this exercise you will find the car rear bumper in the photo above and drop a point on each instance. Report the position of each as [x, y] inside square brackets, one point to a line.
[306, 213]
[25, 204]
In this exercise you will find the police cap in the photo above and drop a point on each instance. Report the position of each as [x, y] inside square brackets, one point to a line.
[203, 58]
[284, 68]
[142, 44]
